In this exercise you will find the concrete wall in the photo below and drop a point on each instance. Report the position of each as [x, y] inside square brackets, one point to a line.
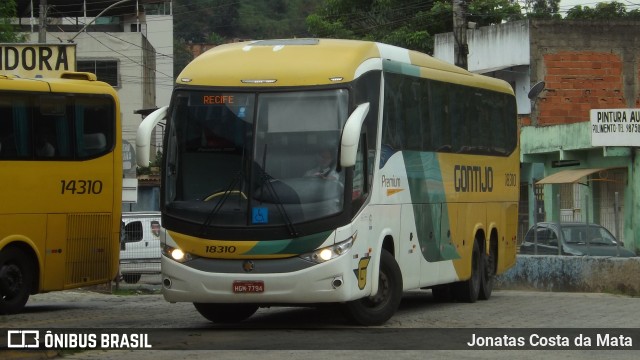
[572, 273]
[160, 34]
[490, 47]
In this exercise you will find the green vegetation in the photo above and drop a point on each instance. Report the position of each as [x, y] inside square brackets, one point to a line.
[221, 21]
[8, 32]
[155, 164]
[408, 23]
[603, 11]
[543, 9]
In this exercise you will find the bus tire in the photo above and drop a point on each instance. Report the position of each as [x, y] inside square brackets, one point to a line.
[16, 278]
[377, 309]
[131, 278]
[226, 313]
[469, 290]
[488, 271]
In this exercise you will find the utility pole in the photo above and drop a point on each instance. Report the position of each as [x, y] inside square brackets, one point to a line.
[42, 26]
[460, 46]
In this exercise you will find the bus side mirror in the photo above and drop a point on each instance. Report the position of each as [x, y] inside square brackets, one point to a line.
[143, 135]
[351, 135]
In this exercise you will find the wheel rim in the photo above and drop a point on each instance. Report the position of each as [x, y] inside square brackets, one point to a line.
[383, 294]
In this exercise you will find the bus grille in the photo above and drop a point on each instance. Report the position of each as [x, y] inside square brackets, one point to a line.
[90, 251]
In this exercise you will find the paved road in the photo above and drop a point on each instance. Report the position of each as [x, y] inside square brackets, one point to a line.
[507, 308]
[304, 333]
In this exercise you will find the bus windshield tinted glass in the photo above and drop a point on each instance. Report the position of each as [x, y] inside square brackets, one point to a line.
[246, 159]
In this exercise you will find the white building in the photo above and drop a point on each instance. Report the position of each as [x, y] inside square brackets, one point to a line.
[130, 45]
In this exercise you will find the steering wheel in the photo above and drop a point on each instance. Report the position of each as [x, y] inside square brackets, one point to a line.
[232, 192]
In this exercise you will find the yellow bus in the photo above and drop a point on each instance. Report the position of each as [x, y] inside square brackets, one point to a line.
[308, 171]
[60, 185]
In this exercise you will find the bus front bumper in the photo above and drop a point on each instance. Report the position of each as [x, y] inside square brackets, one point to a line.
[332, 281]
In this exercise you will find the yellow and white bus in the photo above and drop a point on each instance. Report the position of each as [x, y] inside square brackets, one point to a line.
[309, 171]
[60, 185]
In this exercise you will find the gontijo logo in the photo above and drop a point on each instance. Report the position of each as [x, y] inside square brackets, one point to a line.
[473, 178]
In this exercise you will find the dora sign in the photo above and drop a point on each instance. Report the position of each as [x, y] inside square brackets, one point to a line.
[37, 60]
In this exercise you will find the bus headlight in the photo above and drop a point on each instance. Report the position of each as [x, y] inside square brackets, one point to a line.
[330, 252]
[176, 254]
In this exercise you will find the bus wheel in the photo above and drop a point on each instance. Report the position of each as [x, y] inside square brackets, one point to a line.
[469, 290]
[131, 278]
[15, 280]
[377, 309]
[488, 271]
[226, 313]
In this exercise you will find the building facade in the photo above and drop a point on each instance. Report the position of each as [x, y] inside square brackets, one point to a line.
[568, 171]
[130, 46]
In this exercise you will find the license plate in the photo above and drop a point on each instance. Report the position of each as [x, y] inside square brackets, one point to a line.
[245, 286]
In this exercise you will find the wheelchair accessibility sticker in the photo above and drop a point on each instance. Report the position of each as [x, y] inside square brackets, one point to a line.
[259, 215]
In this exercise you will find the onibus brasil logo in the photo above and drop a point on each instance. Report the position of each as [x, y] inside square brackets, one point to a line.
[32, 339]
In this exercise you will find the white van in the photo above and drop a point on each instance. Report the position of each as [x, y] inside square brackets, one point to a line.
[140, 245]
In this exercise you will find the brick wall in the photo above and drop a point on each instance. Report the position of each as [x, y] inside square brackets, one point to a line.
[585, 66]
[577, 82]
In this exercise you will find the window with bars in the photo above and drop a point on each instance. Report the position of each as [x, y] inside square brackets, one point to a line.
[105, 70]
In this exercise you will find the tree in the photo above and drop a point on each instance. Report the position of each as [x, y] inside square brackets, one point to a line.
[602, 11]
[221, 21]
[200, 20]
[8, 31]
[493, 12]
[544, 9]
[181, 56]
[264, 19]
[148, 170]
[195, 20]
[405, 23]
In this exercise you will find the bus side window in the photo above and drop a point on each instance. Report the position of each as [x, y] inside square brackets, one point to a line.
[94, 143]
[44, 137]
[15, 127]
[44, 148]
[7, 141]
[94, 124]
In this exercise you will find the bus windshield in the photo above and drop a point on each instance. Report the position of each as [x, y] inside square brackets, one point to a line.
[257, 159]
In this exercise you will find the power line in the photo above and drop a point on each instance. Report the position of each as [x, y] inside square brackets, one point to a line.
[125, 56]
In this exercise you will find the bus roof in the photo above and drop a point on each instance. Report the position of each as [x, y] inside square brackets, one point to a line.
[295, 62]
[67, 82]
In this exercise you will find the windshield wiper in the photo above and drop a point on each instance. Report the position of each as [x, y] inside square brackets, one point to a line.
[238, 177]
[266, 179]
